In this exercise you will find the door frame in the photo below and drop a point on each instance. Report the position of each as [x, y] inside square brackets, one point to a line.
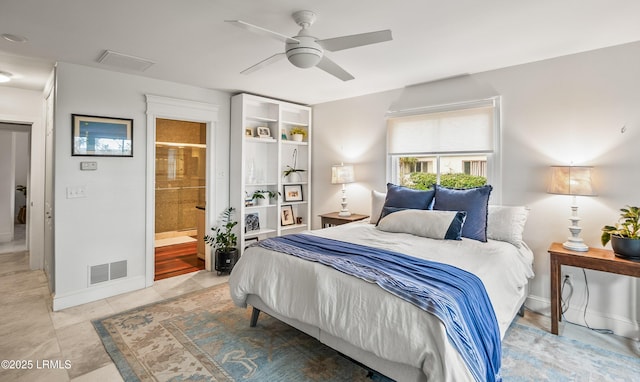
[182, 110]
[35, 186]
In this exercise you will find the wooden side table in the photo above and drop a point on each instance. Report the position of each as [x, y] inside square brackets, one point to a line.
[332, 219]
[597, 259]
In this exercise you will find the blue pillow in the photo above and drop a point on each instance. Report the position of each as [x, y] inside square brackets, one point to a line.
[473, 200]
[401, 198]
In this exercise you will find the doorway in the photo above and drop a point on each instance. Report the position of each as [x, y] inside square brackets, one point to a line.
[14, 170]
[180, 195]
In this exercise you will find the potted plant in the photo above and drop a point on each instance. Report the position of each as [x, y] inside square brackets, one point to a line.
[625, 235]
[262, 197]
[290, 173]
[298, 133]
[224, 241]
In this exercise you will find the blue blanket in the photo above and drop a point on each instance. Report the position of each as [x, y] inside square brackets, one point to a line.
[458, 298]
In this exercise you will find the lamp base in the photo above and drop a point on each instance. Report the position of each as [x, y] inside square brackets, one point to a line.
[577, 246]
[344, 213]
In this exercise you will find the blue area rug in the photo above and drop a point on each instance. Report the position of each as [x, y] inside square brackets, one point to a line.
[530, 354]
[202, 336]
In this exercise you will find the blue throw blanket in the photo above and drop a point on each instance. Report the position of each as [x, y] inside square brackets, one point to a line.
[458, 298]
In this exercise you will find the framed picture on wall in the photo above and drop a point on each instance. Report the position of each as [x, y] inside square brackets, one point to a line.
[286, 215]
[101, 136]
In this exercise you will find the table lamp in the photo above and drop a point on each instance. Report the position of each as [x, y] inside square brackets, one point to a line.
[574, 181]
[343, 174]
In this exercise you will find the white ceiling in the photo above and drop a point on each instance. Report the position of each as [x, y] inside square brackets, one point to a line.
[190, 42]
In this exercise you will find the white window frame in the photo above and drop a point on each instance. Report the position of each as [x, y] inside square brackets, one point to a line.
[494, 159]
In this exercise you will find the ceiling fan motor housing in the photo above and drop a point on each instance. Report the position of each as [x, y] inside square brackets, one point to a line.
[306, 54]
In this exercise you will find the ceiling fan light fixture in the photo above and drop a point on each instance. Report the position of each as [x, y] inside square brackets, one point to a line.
[306, 53]
[304, 57]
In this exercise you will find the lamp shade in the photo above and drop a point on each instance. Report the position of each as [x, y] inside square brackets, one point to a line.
[342, 173]
[571, 180]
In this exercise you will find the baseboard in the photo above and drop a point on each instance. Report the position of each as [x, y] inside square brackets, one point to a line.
[621, 326]
[6, 237]
[94, 293]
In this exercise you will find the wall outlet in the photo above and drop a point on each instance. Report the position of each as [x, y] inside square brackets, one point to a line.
[567, 278]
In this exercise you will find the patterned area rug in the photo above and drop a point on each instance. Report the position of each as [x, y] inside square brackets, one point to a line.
[202, 336]
[530, 354]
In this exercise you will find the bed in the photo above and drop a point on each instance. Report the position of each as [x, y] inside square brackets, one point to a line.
[367, 323]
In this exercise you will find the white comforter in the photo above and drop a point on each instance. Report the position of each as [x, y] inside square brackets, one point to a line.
[369, 317]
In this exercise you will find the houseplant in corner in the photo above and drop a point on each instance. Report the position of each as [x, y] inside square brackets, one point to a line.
[625, 235]
[224, 241]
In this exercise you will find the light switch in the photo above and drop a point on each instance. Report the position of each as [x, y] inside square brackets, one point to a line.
[88, 166]
[76, 192]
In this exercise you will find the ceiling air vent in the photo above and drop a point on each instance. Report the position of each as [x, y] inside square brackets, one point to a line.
[124, 61]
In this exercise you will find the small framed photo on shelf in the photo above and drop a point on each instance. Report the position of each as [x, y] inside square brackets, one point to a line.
[263, 132]
[252, 222]
[248, 132]
[283, 134]
[286, 215]
[292, 192]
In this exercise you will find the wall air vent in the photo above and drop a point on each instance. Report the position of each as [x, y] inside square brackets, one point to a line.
[98, 273]
[105, 272]
[118, 270]
[124, 61]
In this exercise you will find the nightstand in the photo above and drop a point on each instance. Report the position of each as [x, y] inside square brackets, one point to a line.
[332, 219]
[597, 259]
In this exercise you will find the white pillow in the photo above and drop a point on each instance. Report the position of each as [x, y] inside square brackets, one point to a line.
[377, 202]
[442, 225]
[506, 223]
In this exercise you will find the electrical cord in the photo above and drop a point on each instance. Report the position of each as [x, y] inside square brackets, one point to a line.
[584, 314]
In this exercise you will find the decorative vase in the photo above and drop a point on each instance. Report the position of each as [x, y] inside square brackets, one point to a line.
[626, 248]
[293, 177]
[297, 137]
[264, 200]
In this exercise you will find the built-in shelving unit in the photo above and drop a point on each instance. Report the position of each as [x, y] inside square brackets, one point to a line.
[258, 164]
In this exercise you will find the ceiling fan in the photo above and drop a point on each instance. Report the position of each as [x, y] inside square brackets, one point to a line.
[306, 51]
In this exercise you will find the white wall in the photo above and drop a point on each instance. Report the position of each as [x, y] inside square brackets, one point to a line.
[569, 109]
[109, 224]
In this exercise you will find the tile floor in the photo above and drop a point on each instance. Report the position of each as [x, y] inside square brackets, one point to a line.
[29, 330]
[19, 242]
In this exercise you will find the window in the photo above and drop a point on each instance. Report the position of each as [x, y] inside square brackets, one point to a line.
[455, 146]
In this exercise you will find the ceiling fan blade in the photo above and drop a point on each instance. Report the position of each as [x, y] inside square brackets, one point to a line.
[355, 40]
[332, 68]
[263, 63]
[262, 31]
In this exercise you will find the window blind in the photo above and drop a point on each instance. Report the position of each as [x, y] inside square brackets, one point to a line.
[454, 131]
